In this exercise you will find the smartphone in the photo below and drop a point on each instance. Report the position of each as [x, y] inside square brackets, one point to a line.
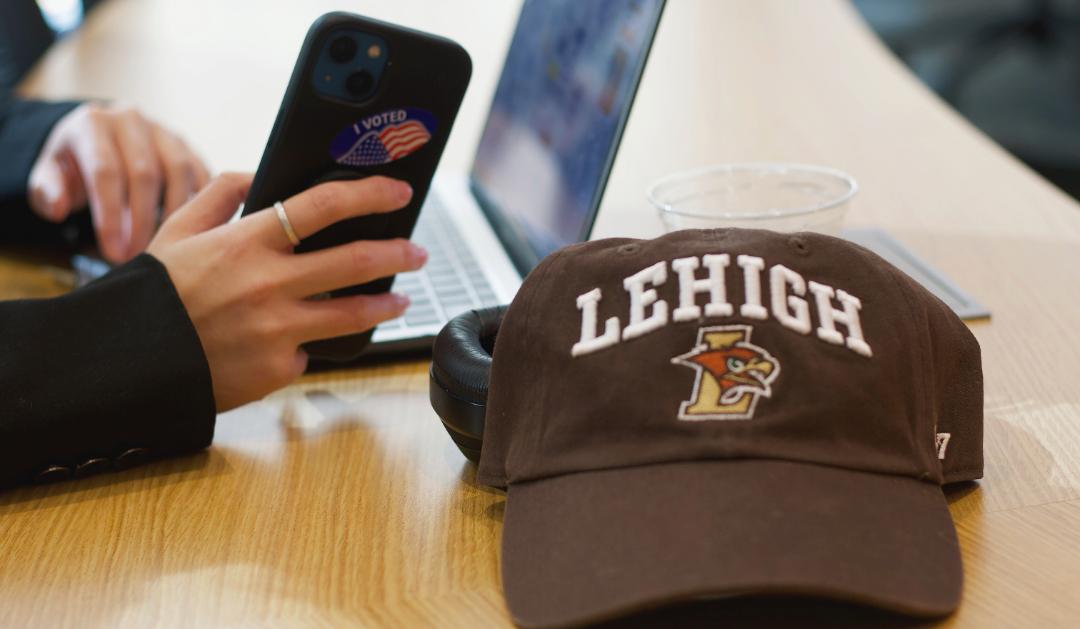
[365, 98]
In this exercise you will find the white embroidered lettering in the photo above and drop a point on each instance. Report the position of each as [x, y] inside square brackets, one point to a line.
[830, 316]
[789, 303]
[640, 299]
[752, 267]
[941, 442]
[689, 287]
[589, 342]
[855, 340]
[791, 311]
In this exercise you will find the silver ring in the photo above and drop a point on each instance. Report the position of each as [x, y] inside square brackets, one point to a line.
[283, 218]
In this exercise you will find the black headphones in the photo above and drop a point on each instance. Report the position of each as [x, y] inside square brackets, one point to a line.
[460, 368]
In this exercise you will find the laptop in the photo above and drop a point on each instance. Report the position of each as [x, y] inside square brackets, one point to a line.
[539, 173]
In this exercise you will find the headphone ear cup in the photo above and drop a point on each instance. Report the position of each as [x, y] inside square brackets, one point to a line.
[460, 369]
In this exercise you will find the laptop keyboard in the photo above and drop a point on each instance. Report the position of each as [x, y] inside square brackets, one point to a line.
[451, 282]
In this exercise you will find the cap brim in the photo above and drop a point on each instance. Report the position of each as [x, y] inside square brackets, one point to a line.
[592, 546]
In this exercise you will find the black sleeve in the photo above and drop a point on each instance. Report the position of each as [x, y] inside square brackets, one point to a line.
[103, 377]
[24, 126]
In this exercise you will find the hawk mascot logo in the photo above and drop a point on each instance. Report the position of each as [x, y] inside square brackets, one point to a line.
[732, 374]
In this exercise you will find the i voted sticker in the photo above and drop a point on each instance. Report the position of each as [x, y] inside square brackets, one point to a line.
[383, 138]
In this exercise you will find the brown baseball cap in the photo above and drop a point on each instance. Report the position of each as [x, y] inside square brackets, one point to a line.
[728, 412]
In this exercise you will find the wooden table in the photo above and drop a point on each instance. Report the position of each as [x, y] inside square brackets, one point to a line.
[341, 501]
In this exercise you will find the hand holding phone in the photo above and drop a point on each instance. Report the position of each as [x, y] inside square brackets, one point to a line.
[365, 98]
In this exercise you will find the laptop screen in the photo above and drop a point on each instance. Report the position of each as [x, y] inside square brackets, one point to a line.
[559, 110]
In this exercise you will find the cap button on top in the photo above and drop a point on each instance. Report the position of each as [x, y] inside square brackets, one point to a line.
[799, 245]
[130, 458]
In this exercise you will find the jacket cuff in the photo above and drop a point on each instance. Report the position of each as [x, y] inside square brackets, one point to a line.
[108, 374]
[24, 127]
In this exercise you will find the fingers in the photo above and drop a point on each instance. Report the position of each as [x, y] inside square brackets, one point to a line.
[136, 147]
[217, 202]
[102, 172]
[352, 264]
[328, 203]
[119, 163]
[55, 188]
[49, 191]
[185, 173]
[347, 315]
[202, 174]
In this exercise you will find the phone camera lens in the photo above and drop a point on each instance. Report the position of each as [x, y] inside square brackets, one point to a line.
[343, 49]
[359, 83]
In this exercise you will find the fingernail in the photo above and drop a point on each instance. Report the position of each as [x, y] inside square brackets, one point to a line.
[402, 301]
[417, 255]
[405, 191]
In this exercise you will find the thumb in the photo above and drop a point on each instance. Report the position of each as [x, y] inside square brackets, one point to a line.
[49, 191]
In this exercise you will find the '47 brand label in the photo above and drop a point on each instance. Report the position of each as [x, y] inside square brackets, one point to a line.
[383, 138]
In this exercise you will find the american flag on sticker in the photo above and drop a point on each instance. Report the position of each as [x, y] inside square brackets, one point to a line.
[383, 138]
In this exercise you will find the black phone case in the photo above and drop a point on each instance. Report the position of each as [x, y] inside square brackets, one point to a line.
[424, 72]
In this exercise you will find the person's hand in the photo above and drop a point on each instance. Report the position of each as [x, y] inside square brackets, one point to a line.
[245, 289]
[123, 165]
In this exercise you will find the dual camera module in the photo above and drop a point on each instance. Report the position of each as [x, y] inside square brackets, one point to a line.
[350, 65]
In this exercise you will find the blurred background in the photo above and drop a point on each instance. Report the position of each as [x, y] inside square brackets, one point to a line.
[1011, 67]
[29, 27]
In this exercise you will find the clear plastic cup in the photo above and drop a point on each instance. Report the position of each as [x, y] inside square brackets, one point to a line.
[780, 197]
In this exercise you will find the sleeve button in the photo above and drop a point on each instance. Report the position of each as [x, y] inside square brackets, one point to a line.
[52, 474]
[131, 458]
[91, 467]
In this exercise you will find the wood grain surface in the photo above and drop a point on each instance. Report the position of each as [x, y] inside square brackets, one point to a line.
[340, 500]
